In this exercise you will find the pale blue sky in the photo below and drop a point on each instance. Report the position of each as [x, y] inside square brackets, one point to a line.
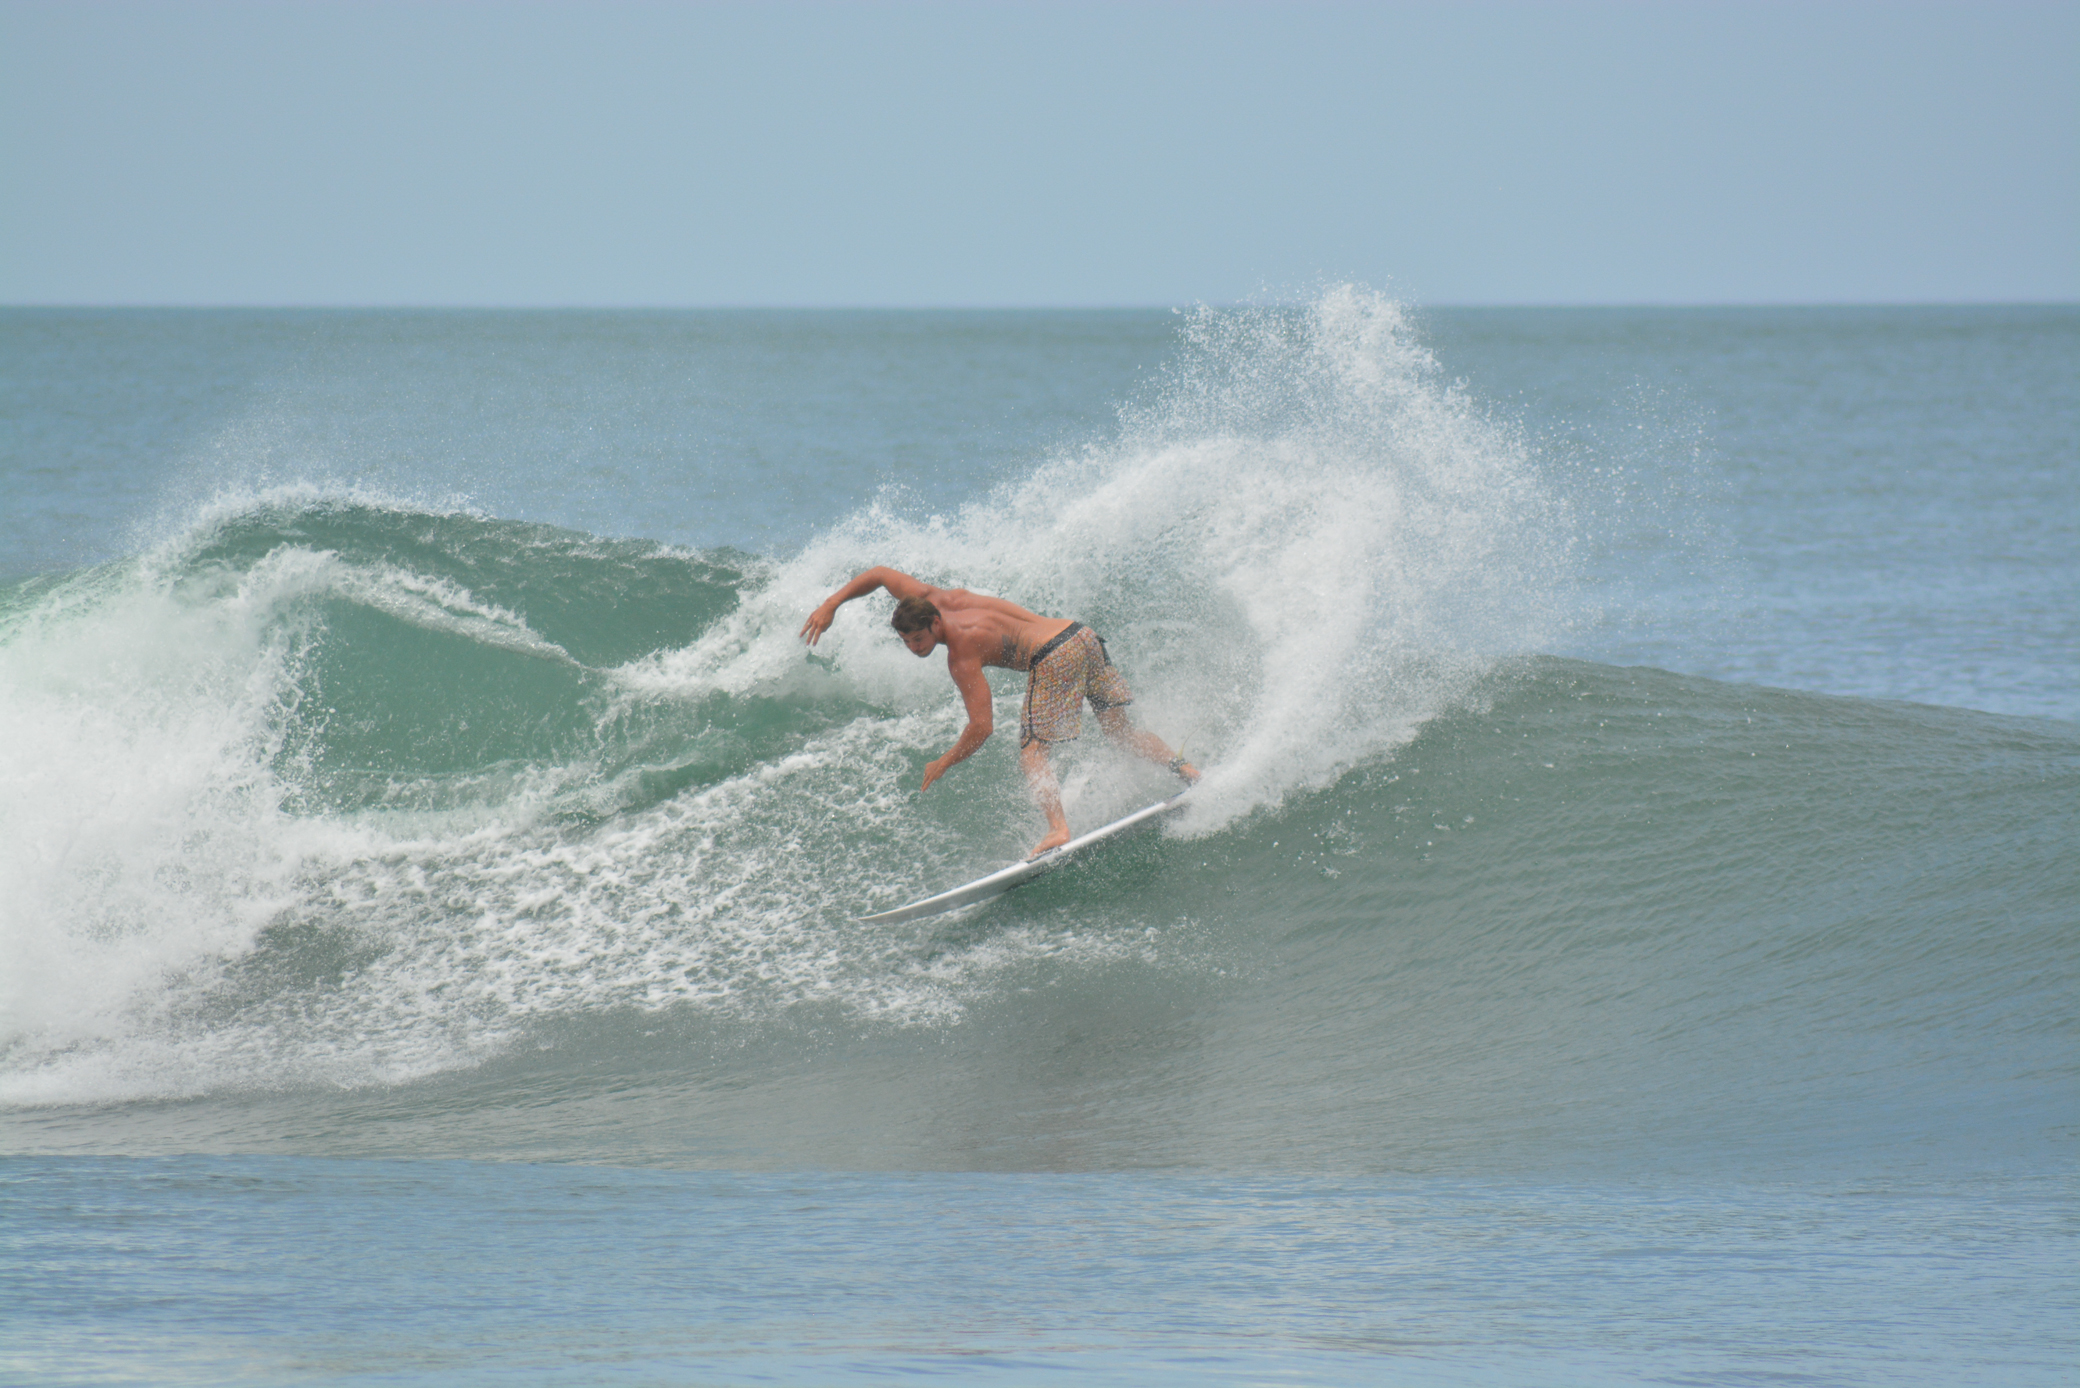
[1036, 154]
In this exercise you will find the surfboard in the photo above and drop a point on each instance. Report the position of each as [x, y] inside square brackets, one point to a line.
[1018, 874]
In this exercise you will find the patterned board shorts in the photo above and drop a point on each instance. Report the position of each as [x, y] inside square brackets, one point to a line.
[1061, 679]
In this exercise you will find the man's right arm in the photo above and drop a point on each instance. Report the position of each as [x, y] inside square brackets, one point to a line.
[898, 583]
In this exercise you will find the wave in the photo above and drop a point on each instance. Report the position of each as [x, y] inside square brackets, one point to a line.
[332, 794]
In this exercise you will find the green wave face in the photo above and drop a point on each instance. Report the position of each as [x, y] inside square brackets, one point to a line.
[435, 661]
[602, 602]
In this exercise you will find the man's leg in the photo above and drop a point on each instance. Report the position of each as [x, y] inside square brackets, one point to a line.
[1040, 776]
[1144, 743]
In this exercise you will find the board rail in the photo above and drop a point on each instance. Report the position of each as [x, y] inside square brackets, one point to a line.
[1018, 874]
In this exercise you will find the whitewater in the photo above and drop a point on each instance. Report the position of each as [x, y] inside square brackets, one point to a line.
[1626, 932]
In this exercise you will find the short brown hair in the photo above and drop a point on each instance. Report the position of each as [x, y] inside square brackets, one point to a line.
[913, 614]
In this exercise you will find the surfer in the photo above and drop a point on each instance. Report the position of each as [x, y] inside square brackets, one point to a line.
[1065, 661]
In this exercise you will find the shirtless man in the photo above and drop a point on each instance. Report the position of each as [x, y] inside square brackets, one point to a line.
[1066, 661]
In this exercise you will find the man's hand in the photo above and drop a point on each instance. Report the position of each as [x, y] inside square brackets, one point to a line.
[899, 584]
[819, 621]
[967, 677]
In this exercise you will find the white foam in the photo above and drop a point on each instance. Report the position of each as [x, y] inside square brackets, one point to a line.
[140, 827]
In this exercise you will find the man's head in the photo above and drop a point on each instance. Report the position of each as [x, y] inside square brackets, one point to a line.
[917, 621]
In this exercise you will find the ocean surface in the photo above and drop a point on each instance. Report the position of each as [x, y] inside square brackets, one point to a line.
[1628, 933]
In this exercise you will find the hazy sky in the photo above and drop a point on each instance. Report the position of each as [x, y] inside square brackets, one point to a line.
[1040, 153]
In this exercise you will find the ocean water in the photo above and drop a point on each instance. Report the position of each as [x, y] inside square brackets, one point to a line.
[1629, 931]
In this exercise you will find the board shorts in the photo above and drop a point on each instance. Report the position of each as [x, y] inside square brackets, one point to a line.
[1066, 671]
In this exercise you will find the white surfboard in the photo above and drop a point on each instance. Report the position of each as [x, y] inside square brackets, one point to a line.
[1018, 874]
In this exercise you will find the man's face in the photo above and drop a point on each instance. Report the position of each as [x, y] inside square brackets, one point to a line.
[921, 643]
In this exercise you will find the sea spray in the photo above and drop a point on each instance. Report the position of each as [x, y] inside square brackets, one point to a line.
[1303, 543]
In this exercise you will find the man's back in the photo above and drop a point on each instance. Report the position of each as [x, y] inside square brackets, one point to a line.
[993, 631]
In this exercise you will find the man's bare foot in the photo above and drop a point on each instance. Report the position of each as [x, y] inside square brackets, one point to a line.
[1052, 841]
[1186, 770]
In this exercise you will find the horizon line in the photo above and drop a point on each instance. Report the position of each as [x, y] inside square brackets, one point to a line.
[1143, 307]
